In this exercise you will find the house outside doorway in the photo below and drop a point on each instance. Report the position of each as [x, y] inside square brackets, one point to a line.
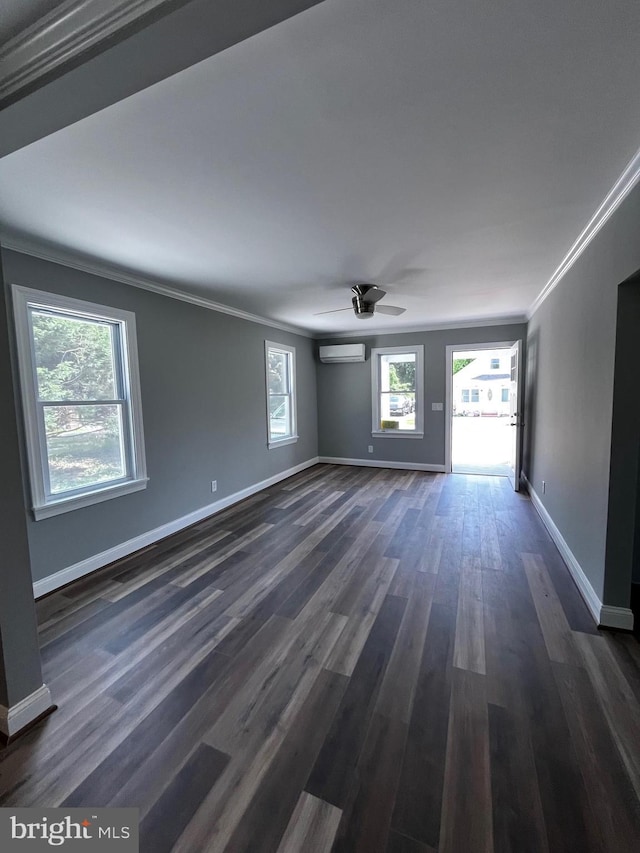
[480, 435]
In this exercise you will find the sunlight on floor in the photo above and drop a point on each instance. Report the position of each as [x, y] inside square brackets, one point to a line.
[480, 445]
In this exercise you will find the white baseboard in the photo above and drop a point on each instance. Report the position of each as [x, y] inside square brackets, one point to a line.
[15, 718]
[97, 561]
[616, 617]
[603, 614]
[378, 463]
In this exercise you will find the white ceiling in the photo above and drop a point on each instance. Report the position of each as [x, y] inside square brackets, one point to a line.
[454, 148]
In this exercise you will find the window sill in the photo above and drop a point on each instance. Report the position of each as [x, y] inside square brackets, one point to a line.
[282, 441]
[396, 433]
[57, 507]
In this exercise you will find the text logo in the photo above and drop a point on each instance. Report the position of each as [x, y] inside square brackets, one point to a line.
[36, 829]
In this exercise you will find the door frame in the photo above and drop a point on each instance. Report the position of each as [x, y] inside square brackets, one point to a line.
[448, 393]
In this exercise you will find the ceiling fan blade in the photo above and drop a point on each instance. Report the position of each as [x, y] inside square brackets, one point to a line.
[369, 293]
[335, 311]
[393, 310]
[375, 295]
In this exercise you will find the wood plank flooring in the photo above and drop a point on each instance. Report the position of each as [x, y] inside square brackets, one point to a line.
[353, 660]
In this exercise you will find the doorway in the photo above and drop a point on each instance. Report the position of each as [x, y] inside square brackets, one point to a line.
[482, 391]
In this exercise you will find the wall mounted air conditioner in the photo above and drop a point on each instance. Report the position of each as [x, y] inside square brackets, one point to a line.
[342, 353]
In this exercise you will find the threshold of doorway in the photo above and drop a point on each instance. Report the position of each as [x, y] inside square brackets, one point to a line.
[491, 470]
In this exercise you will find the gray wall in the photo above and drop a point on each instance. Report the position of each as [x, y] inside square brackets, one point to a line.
[344, 396]
[203, 397]
[625, 434]
[20, 672]
[570, 370]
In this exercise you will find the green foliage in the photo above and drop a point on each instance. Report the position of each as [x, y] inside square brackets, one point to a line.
[402, 376]
[74, 358]
[459, 363]
[83, 459]
[278, 380]
[75, 363]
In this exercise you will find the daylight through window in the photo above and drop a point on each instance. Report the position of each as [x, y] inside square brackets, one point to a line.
[281, 397]
[397, 391]
[81, 399]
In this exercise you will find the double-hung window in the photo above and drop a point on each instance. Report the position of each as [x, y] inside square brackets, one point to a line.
[81, 400]
[397, 391]
[280, 366]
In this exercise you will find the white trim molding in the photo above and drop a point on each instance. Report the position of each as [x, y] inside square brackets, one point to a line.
[604, 615]
[478, 323]
[379, 463]
[126, 392]
[614, 198]
[616, 617]
[378, 384]
[448, 389]
[113, 274]
[18, 716]
[91, 564]
[103, 270]
[68, 30]
[289, 391]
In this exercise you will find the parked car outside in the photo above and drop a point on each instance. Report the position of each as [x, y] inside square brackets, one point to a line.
[399, 405]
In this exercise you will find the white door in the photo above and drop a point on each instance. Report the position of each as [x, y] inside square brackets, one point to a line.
[515, 419]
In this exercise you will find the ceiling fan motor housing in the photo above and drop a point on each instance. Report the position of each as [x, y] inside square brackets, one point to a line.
[363, 309]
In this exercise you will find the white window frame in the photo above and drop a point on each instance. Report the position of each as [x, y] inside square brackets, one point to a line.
[376, 430]
[45, 504]
[290, 352]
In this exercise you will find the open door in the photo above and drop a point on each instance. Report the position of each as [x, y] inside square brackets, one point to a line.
[515, 419]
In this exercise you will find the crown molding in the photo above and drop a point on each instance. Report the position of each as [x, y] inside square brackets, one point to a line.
[69, 30]
[614, 198]
[104, 271]
[478, 323]
[25, 247]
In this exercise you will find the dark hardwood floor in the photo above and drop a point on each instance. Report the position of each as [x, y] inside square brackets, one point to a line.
[353, 660]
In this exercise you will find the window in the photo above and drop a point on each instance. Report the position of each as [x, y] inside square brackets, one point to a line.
[280, 361]
[470, 395]
[397, 388]
[505, 395]
[495, 364]
[81, 401]
[465, 395]
[475, 395]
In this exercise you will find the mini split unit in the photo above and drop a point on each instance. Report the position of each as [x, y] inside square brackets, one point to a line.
[342, 353]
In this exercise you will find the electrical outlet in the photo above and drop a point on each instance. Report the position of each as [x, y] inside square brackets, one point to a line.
[544, 487]
[214, 485]
[371, 448]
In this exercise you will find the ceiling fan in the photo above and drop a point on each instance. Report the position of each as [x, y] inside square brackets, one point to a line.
[365, 302]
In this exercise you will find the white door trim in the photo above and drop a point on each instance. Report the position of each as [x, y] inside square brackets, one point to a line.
[448, 405]
[516, 412]
[18, 716]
